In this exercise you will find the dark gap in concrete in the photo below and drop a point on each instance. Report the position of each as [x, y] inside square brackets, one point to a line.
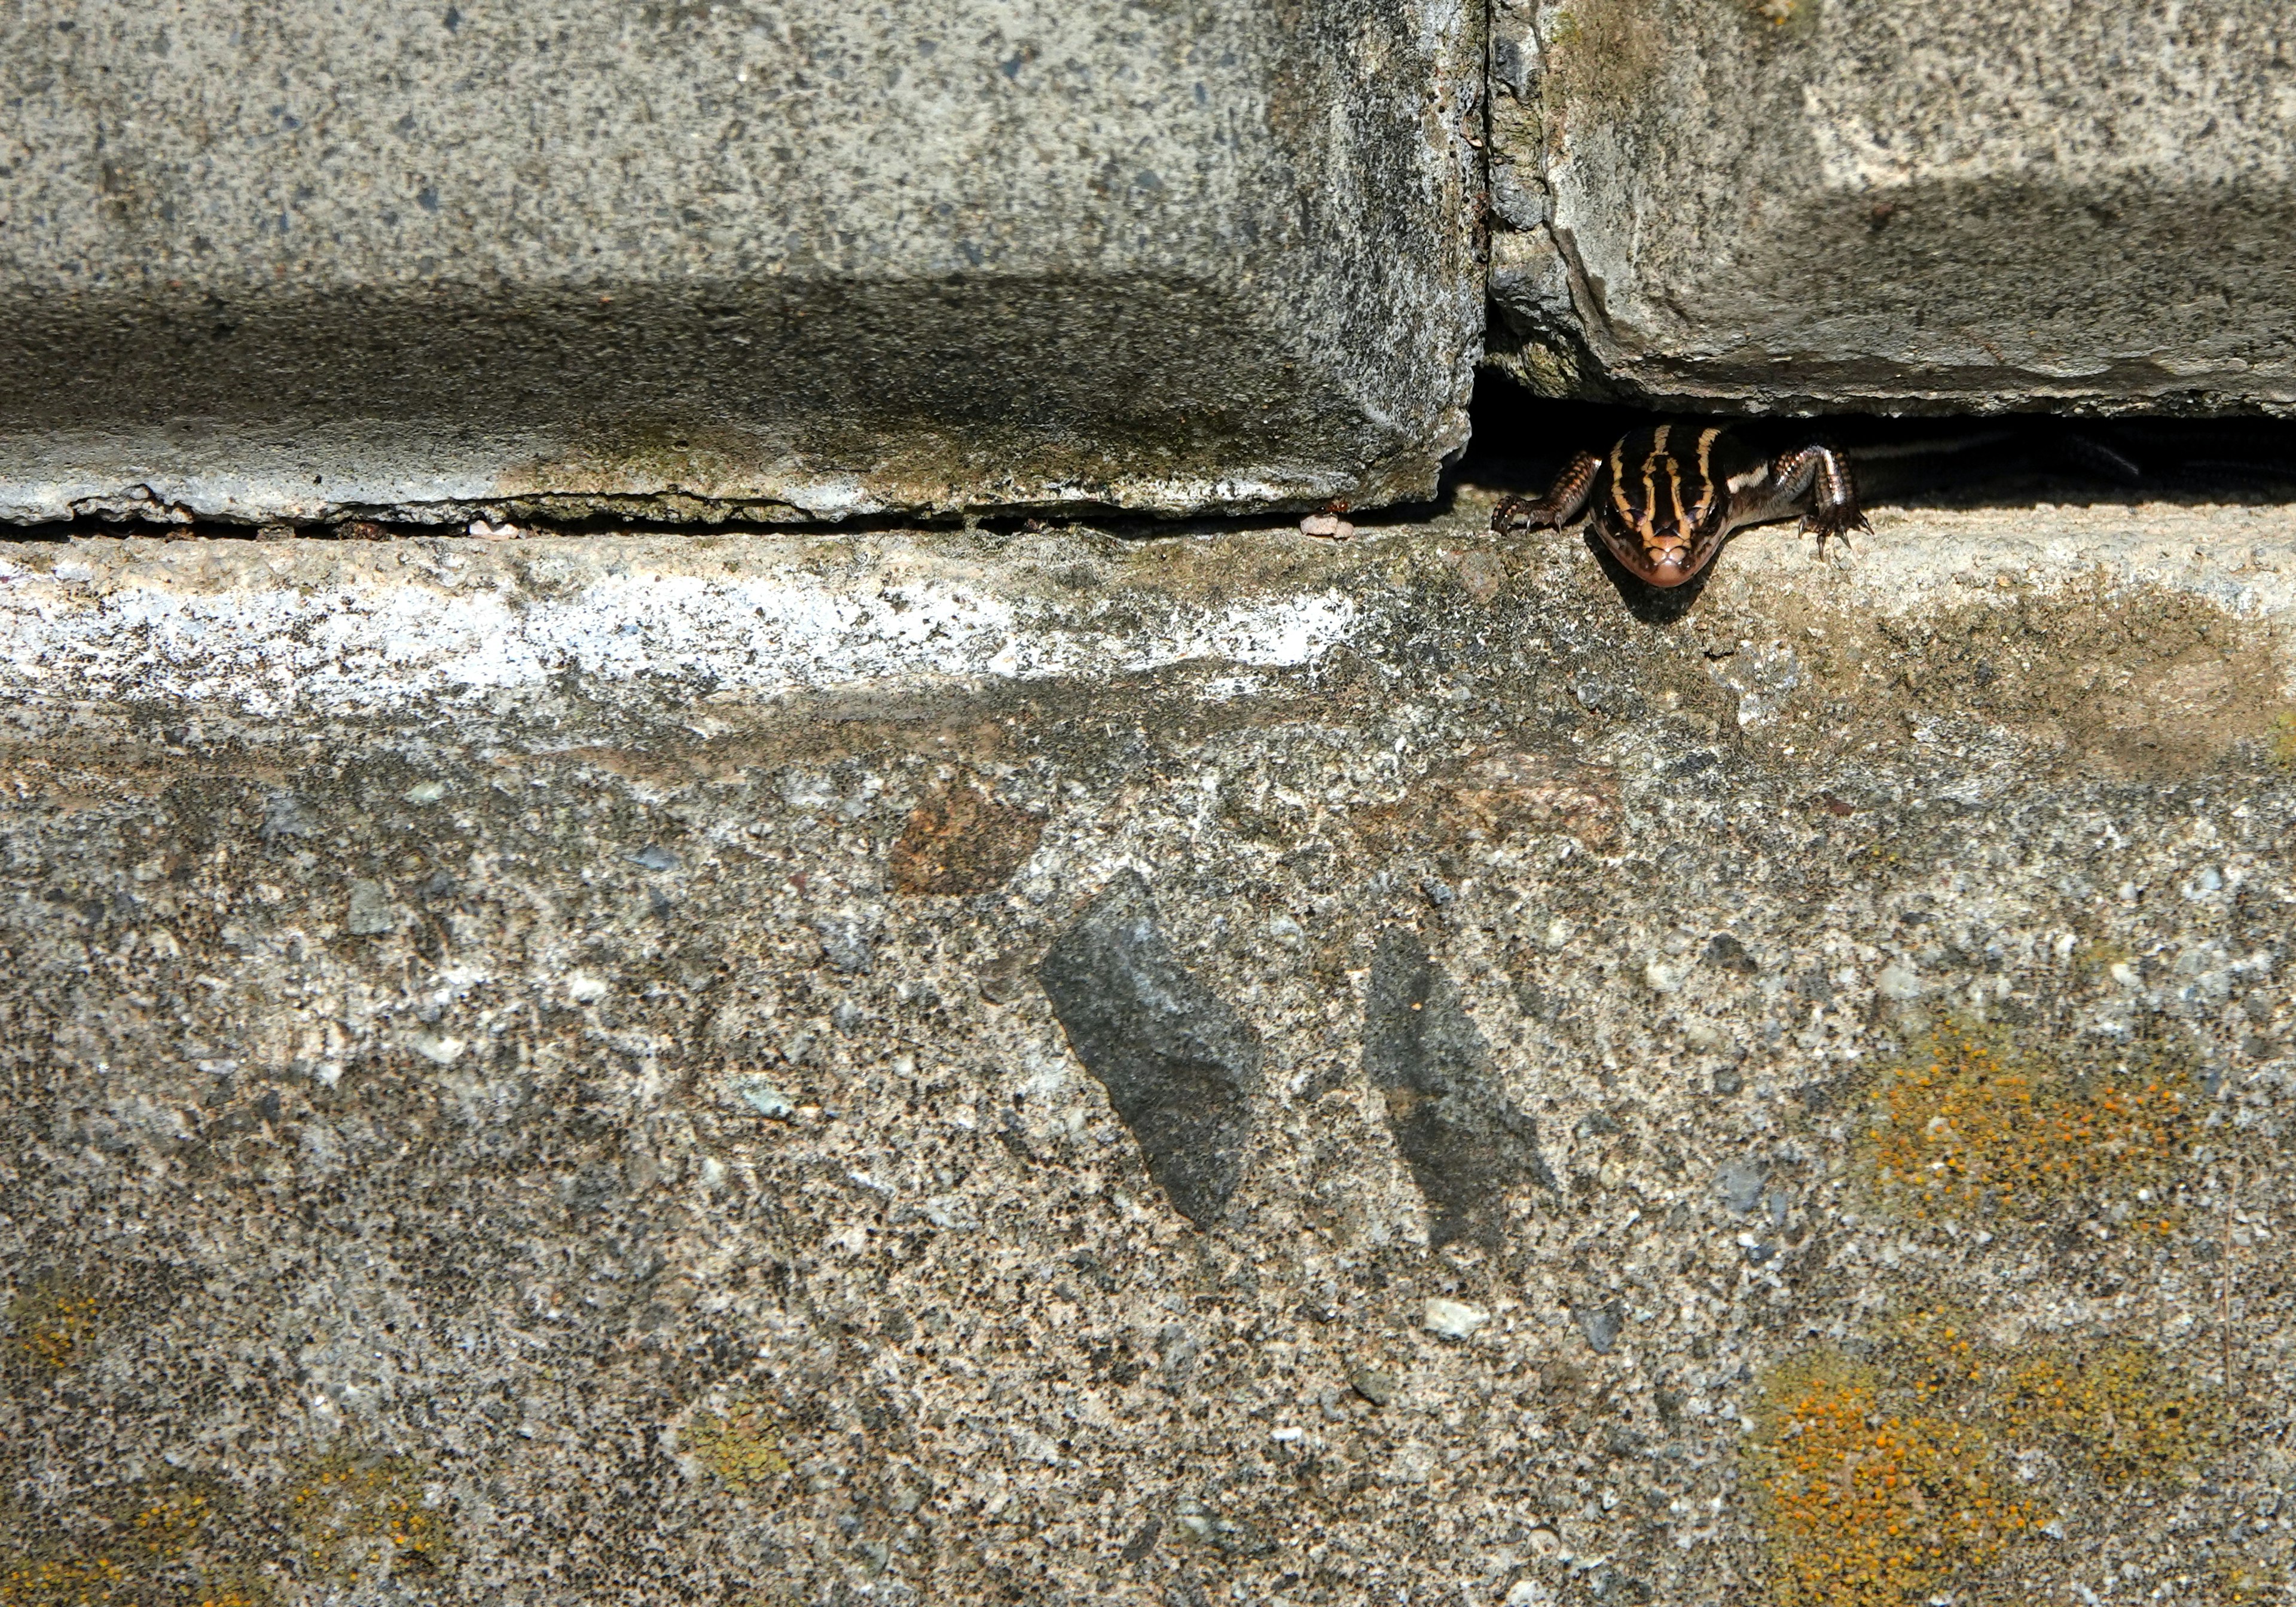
[2009, 460]
[376, 529]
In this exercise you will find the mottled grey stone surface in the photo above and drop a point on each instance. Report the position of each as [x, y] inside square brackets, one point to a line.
[1181, 1070]
[525, 1076]
[1466, 1146]
[757, 260]
[1917, 204]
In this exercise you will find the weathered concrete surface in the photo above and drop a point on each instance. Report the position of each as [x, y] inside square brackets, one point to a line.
[1897, 204]
[1181, 1069]
[766, 261]
[528, 1077]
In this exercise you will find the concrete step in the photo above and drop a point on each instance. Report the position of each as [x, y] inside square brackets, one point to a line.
[1904, 206]
[790, 262]
[1048, 1065]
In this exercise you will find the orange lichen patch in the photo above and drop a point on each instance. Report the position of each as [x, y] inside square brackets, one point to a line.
[1491, 798]
[1971, 1124]
[55, 1321]
[1935, 1356]
[742, 1444]
[352, 1515]
[1868, 1503]
[959, 840]
[2122, 1410]
[168, 1523]
[60, 1584]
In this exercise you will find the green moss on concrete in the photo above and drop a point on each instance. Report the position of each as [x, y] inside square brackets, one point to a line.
[1605, 52]
[2284, 740]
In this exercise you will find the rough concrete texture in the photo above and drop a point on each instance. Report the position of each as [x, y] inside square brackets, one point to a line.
[530, 1073]
[1180, 1069]
[766, 261]
[1900, 204]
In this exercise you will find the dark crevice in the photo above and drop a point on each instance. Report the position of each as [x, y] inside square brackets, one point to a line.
[2013, 460]
[1520, 440]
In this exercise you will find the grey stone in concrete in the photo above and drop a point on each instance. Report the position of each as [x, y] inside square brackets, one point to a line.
[1601, 1325]
[1897, 204]
[1181, 1070]
[1466, 1142]
[767, 261]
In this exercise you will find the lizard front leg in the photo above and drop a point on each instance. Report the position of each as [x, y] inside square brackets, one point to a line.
[1564, 501]
[1817, 480]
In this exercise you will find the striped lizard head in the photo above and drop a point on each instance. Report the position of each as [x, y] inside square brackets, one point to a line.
[1667, 503]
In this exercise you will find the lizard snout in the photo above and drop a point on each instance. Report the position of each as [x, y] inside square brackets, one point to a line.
[1667, 563]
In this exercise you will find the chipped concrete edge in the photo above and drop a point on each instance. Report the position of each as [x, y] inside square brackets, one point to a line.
[63, 481]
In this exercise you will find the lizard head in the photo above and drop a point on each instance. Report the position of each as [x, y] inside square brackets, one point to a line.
[1666, 513]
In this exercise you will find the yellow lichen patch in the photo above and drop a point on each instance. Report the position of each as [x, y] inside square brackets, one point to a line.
[1907, 1475]
[352, 1515]
[25, 1583]
[1934, 1354]
[2251, 1581]
[1870, 1501]
[2283, 738]
[168, 1522]
[1971, 1124]
[742, 1444]
[2122, 1411]
[54, 1322]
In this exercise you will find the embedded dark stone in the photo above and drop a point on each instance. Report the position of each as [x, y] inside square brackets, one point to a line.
[1601, 1325]
[1464, 1141]
[1740, 1183]
[1180, 1066]
[1142, 1542]
[1726, 952]
[284, 816]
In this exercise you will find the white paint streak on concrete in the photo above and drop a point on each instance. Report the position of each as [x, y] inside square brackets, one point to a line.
[236, 635]
[271, 628]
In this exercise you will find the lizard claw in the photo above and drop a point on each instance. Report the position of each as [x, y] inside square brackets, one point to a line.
[1835, 524]
[1565, 501]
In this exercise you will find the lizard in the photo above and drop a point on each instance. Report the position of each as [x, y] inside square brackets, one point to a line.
[1666, 497]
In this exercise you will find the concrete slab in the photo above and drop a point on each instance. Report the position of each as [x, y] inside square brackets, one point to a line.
[530, 1070]
[1898, 206]
[701, 262]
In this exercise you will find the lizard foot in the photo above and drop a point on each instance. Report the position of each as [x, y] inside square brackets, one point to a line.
[1835, 523]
